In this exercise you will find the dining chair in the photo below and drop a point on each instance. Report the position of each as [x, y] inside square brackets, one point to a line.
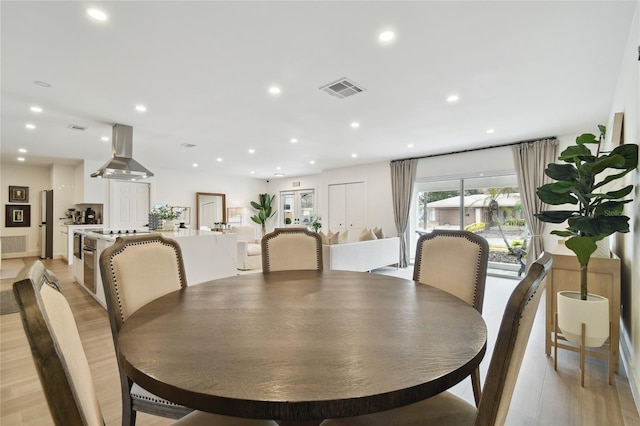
[287, 249]
[136, 270]
[446, 409]
[455, 261]
[62, 364]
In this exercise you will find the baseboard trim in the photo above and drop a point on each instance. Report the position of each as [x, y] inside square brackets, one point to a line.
[629, 368]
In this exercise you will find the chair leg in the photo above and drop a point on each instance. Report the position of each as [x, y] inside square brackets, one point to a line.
[128, 413]
[555, 343]
[610, 356]
[475, 383]
[582, 355]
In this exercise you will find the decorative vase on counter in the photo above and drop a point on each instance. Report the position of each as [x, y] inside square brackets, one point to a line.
[169, 225]
[154, 222]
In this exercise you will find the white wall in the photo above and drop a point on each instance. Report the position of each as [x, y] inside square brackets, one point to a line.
[62, 182]
[627, 99]
[37, 179]
[178, 188]
[488, 161]
[377, 179]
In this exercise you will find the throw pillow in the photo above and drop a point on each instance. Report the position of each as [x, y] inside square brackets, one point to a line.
[334, 238]
[344, 237]
[367, 234]
[324, 237]
[379, 233]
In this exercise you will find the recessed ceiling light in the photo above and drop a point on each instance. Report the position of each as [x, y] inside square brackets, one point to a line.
[36, 109]
[219, 159]
[252, 172]
[489, 131]
[20, 158]
[354, 155]
[30, 126]
[386, 36]
[355, 125]
[453, 98]
[278, 174]
[22, 150]
[278, 168]
[141, 108]
[252, 151]
[97, 14]
[294, 140]
[195, 164]
[274, 90]
[410, 145]
[41, 83]
[104, 139]
[312, 162]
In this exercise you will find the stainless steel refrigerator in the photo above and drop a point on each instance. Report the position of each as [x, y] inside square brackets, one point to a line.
[46, 224]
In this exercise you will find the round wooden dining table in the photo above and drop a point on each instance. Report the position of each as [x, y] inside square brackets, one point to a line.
[302, 346]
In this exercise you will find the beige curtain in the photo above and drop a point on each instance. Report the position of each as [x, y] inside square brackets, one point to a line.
[403, 174]
[530, 160]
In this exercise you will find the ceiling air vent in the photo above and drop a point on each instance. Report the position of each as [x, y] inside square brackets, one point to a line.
[76, 127]
[343, 88]
[187, 145]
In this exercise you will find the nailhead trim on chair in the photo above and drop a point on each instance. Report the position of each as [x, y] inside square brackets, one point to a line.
[113, 274]
[280, 231]
[478, 259]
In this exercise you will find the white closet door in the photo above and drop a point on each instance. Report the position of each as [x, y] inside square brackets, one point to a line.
[337, 208]
[132, 205]
[355, 202]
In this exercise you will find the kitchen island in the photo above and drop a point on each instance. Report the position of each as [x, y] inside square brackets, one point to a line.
[207, 255]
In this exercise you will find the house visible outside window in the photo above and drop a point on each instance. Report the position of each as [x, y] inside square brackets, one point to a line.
[489, 206]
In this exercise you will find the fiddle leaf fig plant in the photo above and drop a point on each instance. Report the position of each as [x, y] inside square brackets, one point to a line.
[264, 210]
[598, 212]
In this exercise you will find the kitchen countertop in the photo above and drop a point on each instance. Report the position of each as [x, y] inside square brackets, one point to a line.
[179, 233]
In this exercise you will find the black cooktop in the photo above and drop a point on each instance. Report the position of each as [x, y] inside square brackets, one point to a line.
[122, 231]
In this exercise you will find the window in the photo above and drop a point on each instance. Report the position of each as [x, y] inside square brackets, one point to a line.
[490, 206]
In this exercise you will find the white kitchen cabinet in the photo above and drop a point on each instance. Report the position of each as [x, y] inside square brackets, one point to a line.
[78, 272]
[67, 253]
[89, 190]
[347, 208]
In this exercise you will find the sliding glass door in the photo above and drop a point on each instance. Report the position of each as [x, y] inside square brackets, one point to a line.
[489, 206]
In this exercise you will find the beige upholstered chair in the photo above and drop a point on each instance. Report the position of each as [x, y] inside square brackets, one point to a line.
[287, 249]
[61, 361]
[455, 261]
[136, 270]
[447, 409]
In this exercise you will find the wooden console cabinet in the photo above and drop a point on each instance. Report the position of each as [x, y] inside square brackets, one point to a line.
[603, 279]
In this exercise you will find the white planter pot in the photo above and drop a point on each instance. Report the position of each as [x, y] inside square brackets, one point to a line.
[593, 312]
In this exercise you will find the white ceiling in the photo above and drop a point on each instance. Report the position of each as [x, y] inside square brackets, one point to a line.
[526, 69]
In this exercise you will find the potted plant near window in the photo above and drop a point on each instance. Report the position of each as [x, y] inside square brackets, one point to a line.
[264, 209]
[598, 213]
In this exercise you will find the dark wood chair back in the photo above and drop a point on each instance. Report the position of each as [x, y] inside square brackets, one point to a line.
[56, 348]
[511, 344]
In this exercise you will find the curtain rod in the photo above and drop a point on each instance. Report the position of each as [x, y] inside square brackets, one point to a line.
[477, 149]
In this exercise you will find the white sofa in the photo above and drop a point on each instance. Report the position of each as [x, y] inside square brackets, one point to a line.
[361, 256]
[249, 249]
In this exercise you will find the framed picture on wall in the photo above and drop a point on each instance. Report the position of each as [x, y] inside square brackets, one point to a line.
[18, 194]
[17, 216]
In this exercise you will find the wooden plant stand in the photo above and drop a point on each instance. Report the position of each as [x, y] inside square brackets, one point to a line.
[603, 279]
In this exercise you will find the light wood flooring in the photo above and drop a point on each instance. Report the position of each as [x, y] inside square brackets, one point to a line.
[542, 396]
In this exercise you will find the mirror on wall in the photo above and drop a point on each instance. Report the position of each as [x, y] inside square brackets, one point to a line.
[211, 209]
